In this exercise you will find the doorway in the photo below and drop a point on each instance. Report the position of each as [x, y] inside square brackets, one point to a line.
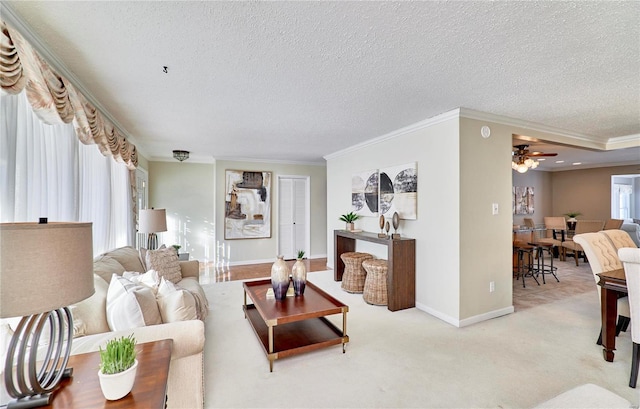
[294, 214]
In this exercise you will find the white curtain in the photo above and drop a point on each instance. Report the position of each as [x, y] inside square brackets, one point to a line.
[45, 171]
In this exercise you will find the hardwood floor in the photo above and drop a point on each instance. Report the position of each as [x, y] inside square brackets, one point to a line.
[212, 273]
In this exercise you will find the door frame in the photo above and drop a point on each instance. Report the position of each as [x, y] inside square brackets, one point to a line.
[307, 193]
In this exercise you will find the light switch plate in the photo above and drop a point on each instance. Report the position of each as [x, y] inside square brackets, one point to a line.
[494, 208]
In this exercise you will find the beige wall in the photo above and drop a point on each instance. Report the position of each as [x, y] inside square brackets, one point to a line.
[587, 191]
[485, 238]
[265, 250]
[541, 183]
[186, 191]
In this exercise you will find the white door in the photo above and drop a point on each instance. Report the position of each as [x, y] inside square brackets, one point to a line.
[293, 215]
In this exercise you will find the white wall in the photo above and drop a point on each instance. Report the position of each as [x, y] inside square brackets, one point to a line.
[436, 151]
[247, 251]
[186, 191]
[460, 246]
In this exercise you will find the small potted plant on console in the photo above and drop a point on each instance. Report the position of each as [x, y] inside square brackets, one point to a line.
[349, 218]
[118, 367]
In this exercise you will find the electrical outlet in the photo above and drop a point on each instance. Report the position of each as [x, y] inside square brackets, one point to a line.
[494, 209]
[492, 286]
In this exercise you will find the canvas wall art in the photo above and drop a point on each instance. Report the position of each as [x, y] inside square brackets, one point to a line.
[364, 193]
[522, 200]
[398, 191]
[247, 204]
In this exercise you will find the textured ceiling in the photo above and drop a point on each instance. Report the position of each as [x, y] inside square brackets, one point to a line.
[299, 80]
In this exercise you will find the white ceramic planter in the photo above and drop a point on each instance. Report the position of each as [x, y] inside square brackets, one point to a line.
[118, 385]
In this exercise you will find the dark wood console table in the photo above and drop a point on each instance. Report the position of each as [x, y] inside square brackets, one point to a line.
[401, 272]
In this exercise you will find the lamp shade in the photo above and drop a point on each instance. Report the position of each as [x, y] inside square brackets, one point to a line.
[152, 220]
[44, 267]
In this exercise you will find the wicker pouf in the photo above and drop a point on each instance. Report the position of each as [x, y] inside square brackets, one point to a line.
[375, 285]
[354, 275]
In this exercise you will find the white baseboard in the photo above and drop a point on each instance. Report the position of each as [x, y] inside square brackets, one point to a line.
[467, 321]
[268, 260]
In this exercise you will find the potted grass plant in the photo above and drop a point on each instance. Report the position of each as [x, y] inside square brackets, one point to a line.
[118, 367]
[349, 218]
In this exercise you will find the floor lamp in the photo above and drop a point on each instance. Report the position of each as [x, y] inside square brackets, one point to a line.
[44, 269]
[152, 221]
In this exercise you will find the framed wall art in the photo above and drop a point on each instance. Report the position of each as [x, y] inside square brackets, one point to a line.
[522, 200]
[364, 193]
[247, 213]
[398, 191]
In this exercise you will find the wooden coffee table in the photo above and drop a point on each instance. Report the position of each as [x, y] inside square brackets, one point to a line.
[294, 325]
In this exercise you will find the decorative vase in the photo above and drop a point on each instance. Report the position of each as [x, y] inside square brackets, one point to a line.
[280, 278]
[350, 226]
[118, 385]
[299, 275]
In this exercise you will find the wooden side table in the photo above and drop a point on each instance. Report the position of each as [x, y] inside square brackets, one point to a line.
[82, 390]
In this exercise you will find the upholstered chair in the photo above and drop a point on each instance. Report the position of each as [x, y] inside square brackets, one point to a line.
[630, 258]
[611, 224]
[556, 229]
[603, 256]
[619, 238]
[582, 226]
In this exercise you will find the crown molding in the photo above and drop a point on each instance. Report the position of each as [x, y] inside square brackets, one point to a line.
[621, 142]
[446, 116]
[16, 22]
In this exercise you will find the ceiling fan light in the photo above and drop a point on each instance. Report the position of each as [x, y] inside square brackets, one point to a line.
[514, 165]
[522, 168]
[528, 162]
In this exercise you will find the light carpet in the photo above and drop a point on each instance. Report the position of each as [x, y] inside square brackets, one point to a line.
[411, 359]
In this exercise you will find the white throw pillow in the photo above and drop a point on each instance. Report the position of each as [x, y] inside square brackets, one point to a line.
[165, 262]
[175, 303]
[130, 305]
[151, 279]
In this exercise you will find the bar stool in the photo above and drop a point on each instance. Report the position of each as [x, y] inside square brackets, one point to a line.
[541, 268]
[375, 284]
[354, 275]
[525, 269]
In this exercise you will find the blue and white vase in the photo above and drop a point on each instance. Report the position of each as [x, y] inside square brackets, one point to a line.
[280, 278]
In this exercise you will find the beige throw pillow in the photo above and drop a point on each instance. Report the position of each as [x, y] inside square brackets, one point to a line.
[165, 262]
[130, 305]
[175, 303]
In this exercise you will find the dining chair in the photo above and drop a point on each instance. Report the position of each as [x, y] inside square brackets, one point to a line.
[582, 226]
[602, 257]
[611, 224]
[619, 238]
[630, 258]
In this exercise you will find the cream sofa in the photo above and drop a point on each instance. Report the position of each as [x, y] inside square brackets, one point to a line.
[186, 384]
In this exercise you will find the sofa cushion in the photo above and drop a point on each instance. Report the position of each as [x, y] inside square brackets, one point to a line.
[106, 266]
[128, 257]
[151, 279]
[202, 304]
[93, 310]
[175, 303]
[130, 305]
[165, 262]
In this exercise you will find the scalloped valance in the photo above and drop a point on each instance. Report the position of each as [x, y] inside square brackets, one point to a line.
[55, 100]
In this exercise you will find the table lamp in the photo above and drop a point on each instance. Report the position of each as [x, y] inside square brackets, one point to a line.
[44, 268]
[152, 221]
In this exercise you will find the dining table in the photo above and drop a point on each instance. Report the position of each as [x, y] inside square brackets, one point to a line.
[614, 285]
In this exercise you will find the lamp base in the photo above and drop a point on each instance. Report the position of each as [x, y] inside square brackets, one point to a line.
[152, 241]
[28, 385]
[31, 401]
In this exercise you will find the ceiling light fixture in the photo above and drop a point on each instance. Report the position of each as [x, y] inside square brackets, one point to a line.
[181, 155]
[523, 165]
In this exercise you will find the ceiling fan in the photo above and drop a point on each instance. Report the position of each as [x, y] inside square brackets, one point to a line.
[522, 158]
